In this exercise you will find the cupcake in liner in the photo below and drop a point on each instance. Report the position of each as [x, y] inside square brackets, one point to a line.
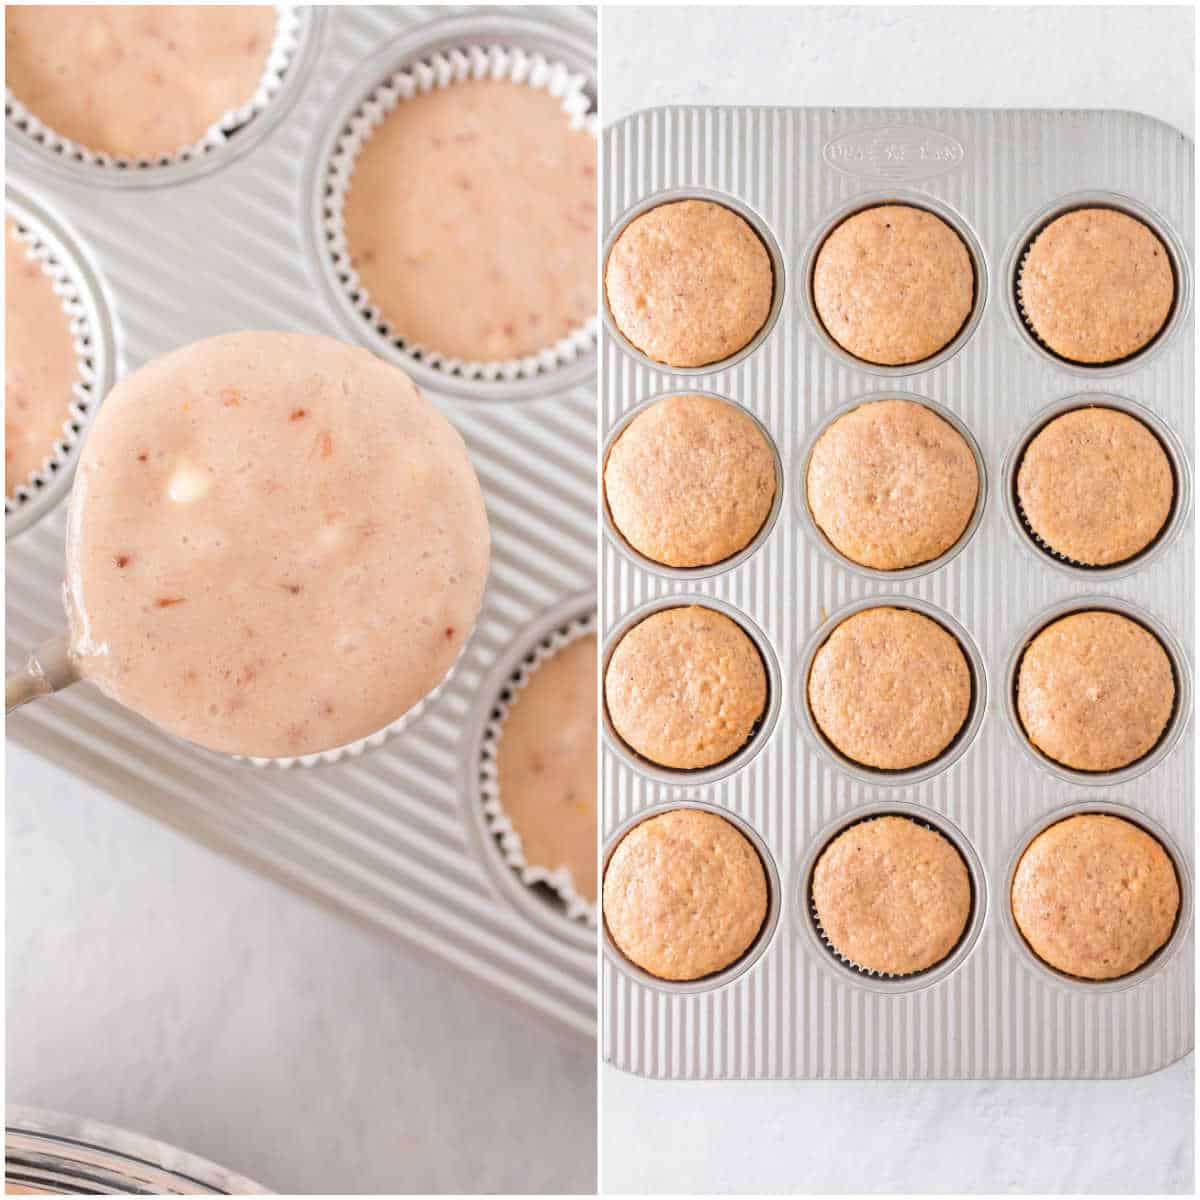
[284, 45]
[504, 835]
[68, 284]
[1027, 321]
[1057, 555]
[870, 972]
[442, 70]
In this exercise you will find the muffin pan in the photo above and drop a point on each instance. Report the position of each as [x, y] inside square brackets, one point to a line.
[389, 837]
[988, 1010]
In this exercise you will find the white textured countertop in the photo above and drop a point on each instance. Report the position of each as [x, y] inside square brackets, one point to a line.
[154, 985]
[1130, 1136]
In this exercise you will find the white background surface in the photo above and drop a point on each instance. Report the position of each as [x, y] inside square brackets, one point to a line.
[1134, 1136]
[157, 986]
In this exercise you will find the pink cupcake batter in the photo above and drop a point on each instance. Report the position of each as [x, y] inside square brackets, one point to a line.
[40, 367]
[471, 220]
[275, 545]
[136, 80]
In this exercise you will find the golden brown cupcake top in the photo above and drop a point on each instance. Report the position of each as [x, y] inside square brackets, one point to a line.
[1096, 285]
[685, 687]
[1095, 691]
[1095, 896]
[891, 896]
[136, 81]
[689, 283]
[40, 366]
[890, 688]
[685, 894]
[690, 481]
[546, 764]
[1096, 486]
[893, 284]
[891, 484]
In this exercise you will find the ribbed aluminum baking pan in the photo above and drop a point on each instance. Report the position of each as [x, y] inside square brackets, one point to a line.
[992, 1011]
[390, 838]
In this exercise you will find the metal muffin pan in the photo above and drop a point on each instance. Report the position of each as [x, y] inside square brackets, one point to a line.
[989, 1010]
[389, 838]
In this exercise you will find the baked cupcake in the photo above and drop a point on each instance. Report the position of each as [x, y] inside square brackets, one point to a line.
[1095, 691]
[470, 221]
[891, 484]
[136, 81]
[890, 688]
[276, 546]
[1095, 896]
[893, 285]
[689, 283]
[685, 688]
[1096, 286]
[891, 896]
[40, 365]
[690, 481]
[1095, 486]
[685, 894]
[546, 766]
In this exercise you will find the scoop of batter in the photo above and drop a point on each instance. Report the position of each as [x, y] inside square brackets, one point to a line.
[275, 545]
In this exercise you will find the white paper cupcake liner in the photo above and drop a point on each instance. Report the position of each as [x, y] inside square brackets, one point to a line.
[77, 411]
[439, 70]
[283, 49]
[504, 835]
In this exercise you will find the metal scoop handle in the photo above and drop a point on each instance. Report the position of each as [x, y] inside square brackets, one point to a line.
[48, 669]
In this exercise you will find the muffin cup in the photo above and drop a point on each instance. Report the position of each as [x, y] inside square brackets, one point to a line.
[290, 30]
[1179, 669]
[958, 745]
[502, 833]
[683, 574]
[757, 948]
[800, 494]
[1159, 959]
[762, 232]
[759, 735]
[881, 981]
[911, 200]
[76, 287]
[1018, 253]
[441, 68]
[1172, 448]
